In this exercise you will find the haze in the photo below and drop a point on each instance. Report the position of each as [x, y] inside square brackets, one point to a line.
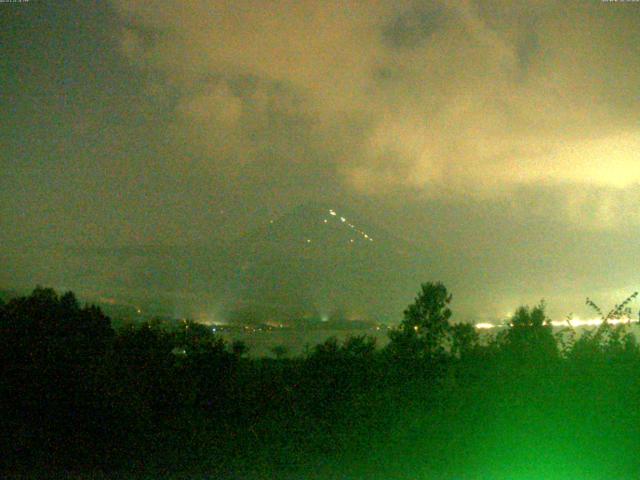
[500, 140]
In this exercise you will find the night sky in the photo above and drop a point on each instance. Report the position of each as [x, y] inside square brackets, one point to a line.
[503, 135]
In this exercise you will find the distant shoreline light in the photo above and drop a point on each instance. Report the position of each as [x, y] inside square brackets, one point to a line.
[574, 322]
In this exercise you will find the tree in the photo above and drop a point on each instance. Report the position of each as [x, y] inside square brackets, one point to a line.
[50, 350]
[280, 351]
[530, 335]
[360, 346]
[608, 339]
[464, 339]
[425, 327]
[239, 348]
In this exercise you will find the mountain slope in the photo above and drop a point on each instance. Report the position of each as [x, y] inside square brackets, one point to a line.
[323, 259]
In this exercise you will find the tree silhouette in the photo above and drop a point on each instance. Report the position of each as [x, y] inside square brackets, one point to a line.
[280, 351]
[530, 335]
[607, 340]
[464, 339]
[359, 346]
[50, 348]
[239, 348]
[425, 327]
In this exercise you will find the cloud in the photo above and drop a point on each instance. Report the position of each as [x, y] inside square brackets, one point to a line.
[425, 96]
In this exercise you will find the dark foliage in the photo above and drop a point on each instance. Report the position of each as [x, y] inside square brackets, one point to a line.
[438, 401]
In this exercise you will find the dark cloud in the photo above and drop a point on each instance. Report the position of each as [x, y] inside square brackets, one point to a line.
[414, 27]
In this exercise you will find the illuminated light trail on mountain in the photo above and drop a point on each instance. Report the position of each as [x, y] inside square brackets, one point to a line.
[366, 236]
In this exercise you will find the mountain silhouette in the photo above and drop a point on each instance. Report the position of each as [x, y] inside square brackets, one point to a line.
[320, 259]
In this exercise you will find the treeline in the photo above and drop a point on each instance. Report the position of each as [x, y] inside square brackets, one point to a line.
[439, 401]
